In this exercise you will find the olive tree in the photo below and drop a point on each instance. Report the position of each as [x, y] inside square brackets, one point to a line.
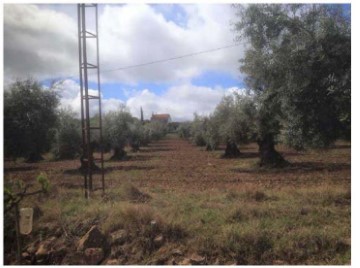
[116, 127]
[233, 122]
[298, 65]
[29, 119]
[67, 142]
[198, 130]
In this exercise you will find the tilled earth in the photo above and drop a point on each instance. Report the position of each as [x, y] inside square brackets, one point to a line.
[173, 164]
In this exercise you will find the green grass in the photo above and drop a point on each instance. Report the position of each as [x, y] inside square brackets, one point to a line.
[303, 219]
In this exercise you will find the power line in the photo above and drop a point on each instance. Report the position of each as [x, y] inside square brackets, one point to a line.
[170, 59]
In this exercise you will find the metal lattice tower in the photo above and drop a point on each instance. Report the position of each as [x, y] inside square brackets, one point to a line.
[86, 69]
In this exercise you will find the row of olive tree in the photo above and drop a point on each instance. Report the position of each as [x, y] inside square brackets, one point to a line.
[34, 124]
[232, 123]
[121, 128]
[298, 64]
[298, 70]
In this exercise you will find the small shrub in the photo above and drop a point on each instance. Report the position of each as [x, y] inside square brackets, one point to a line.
[259, 196]
[237, 216]
[133, 194]
[251, 246]
[232, 195]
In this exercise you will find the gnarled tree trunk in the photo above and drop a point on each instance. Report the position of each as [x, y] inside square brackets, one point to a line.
[34, 157]
[119, 154]
[231, 150]
[269, 157]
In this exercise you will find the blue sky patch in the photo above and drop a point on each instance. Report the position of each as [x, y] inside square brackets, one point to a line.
[172, 12]
[213, 78]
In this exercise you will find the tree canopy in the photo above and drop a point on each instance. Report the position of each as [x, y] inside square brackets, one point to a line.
[298, 65]
[29, 118]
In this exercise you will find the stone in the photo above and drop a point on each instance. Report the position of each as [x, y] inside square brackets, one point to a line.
[45, 248]
[94, 256]
[196, 259]
[112, 262]
[116, 252]
[58, 255]
[278, 262]
[176, 252]
[304, 211]
[159, 261]
[31, 249]
[159, 240]
[231, 263]
[171, 261]
[26, 256]
[119, 237]
[58, 232]
[94, 238]
[74, 258]
[185, 261]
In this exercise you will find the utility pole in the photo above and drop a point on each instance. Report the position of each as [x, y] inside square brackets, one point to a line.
[87, 69]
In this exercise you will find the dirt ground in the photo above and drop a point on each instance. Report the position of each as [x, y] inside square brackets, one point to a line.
[172, 169]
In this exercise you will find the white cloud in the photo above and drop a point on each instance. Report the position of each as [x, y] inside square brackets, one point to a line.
[69, 92]
[42, 42]
[38, 43]
[134, 34]
[181, 102]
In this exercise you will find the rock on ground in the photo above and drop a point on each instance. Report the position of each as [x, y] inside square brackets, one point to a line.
[94, 256]
[94, 238]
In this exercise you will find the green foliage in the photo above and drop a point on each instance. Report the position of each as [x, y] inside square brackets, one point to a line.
[235, 117]
[198, 130]
[232, 121]
[16, 191]
[29, 116]
[43, 180]
[184, 130]
[121, 129]
[156, 130]
[117, 128]
[298, 64]
[67, 144]
[137, 136]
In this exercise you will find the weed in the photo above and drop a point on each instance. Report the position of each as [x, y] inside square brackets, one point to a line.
[248, 246]
[237, 216]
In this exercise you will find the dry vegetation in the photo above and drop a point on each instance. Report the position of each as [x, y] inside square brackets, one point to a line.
[225, 211]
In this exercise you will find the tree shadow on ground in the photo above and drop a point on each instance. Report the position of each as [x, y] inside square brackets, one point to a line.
[15, 169]
[140, 158]
[155, 149]
[302, 167]
[342, 146]
[71, 185]
[243, 155]
[127, 168]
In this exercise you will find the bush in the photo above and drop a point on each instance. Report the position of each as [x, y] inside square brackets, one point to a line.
[184, 130]
[156, 130]
[68, 141]
[29, 117]
[117, 131]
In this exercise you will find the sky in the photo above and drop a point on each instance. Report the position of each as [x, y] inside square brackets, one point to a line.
[40, 41]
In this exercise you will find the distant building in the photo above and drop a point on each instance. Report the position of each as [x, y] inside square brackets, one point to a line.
[164, 118]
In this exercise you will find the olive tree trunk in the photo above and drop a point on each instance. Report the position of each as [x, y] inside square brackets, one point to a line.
[269, 157]
[119, 154]
[231, 150]
[34, 157]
